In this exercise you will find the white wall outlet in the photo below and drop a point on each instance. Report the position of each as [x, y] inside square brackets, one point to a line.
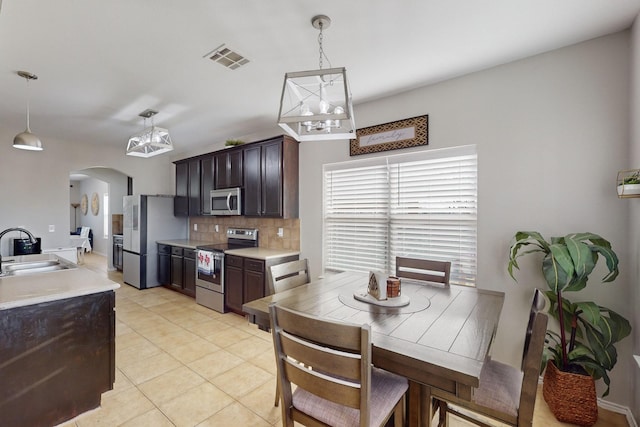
[280, 232]
[52, 228]
[195, 227]
[217, 228]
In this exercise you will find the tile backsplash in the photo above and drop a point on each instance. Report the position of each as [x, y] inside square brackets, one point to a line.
[267, 234]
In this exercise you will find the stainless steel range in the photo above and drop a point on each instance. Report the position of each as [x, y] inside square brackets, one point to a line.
[210, 271]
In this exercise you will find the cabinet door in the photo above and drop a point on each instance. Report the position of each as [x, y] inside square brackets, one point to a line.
[233, 288]
[253, 285]
[235, 166]
[176, 271]
[252, 181]
[206, 184]
[181, 201]
[272, 179]
[164, 264]
[189, 272]
[194, 187]
[228, 169]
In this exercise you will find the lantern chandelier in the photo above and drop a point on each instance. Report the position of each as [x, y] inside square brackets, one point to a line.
[316, 105]
[151, 141]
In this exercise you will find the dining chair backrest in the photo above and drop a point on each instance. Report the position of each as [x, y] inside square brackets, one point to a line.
[84, 231]
[289, 275]
[531, 367]
[331, 360]
[330, 364]
[537, 304]
[423, 269]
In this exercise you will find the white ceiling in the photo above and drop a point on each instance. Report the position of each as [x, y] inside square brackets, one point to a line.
[100, 63]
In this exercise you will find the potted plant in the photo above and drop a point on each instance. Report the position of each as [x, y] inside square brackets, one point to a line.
[233, 142]
[630, 184]
[588, 332]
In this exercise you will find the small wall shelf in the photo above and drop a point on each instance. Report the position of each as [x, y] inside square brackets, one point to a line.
[624, 188]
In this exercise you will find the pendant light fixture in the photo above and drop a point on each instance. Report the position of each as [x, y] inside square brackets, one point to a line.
[151, 141]
[316, 105]
[27, 140]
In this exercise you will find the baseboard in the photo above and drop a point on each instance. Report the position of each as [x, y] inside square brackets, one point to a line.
[614, 407]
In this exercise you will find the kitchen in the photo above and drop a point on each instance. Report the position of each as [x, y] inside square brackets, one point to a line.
[512, 111]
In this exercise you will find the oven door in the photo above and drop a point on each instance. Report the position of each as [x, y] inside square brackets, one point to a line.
[210, 271]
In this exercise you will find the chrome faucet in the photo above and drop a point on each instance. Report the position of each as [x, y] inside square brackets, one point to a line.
[27, 232]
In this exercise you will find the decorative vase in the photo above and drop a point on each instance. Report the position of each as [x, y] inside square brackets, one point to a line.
[571, 397]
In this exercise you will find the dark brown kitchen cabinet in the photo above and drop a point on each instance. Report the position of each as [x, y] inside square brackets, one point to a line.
[183, 270]
[246, 279]
[164, 264]
[58, 358]
[181, 200]
[176, 268]
[228, 168]
[189, 272]
[207, 170]
[270, 172]
[187, 199]
[233, 279]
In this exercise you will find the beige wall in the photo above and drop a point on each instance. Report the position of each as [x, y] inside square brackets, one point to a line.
[35, 185]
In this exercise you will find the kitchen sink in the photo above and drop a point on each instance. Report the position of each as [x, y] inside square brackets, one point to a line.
[31, 264]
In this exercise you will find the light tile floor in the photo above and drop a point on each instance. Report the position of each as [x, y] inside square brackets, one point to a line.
[181, 364]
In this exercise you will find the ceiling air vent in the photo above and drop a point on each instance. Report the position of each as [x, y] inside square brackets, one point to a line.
[227, 57]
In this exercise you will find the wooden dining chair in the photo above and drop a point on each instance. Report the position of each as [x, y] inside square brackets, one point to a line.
[289, 275]
[506, 394]
[330, 364]
[282, 277]
[423, 269]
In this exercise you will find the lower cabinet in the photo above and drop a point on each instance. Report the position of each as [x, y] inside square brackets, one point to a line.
[177, 268]
[164, 264]
[58, 357]
[246, 279]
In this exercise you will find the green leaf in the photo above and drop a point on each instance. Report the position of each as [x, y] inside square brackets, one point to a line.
[581, 256]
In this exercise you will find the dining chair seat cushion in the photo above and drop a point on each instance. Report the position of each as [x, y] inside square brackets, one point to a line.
[386, 389]
[500, 386]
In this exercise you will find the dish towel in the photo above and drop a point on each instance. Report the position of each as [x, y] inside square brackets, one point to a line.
[205, 264]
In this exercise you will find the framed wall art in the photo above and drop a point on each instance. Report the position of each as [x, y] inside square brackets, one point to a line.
[84, 203]
[391, 136]
[95, 204]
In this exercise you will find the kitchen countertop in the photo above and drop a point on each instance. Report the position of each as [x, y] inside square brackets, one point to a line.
[184, 243]
[29, 289]
[262, 253]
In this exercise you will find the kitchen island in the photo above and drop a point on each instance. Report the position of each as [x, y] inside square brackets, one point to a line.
[57, 345]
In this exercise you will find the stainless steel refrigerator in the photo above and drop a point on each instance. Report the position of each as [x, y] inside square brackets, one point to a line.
[147, 219]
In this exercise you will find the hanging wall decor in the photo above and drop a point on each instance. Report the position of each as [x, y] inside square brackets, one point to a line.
[391, 136]
[84, 204]
[95, 204]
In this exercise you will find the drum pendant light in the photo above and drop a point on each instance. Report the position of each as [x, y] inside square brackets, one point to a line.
[27, 140]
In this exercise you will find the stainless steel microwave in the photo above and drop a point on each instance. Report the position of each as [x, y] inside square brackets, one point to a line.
[227, 201]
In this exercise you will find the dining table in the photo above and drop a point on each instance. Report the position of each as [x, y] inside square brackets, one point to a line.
[439, 339]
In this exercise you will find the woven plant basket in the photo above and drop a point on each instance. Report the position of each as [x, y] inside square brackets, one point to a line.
[571, 397]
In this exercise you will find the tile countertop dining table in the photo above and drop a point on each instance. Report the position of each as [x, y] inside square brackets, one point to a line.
[440, 339]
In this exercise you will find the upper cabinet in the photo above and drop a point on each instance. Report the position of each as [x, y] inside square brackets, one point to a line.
[228, 168]
[270, 172]
[207, 168]
[188, 185]
[266, 170]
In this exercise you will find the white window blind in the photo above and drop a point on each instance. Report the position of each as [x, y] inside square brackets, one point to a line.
[418, 205]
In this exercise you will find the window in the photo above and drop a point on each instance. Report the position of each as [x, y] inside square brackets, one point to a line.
[420, 205]
[105, 215]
